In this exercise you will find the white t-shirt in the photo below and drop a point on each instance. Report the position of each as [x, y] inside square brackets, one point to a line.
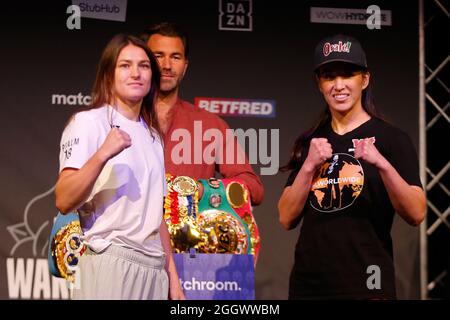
[125, 206]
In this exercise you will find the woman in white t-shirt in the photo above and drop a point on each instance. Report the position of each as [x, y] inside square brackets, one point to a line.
[112, 173]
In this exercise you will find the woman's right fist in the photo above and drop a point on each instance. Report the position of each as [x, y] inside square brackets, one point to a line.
[116, 141]
[319, 151]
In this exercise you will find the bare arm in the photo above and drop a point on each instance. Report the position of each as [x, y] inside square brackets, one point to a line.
[293, 198]
[408, 201]
[175, 290]
[74, 185]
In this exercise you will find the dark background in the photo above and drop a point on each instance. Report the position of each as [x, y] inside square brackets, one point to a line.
[41, 57]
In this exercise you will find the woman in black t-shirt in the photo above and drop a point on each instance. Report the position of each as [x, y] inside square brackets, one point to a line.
[349, 175]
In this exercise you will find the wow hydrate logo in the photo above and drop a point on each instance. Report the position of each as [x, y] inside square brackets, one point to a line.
[371, 16]
[238, 107]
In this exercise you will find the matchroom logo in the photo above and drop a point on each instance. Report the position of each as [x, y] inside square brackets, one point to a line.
[238, 107]
[71, 99]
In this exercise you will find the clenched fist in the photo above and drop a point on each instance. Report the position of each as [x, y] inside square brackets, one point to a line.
[366, 150]
[116, 141]
[319, 151]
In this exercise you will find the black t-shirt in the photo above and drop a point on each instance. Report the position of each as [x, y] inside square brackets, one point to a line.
[345, 248]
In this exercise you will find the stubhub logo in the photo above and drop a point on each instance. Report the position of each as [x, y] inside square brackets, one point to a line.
[237, 107]
[114, 10]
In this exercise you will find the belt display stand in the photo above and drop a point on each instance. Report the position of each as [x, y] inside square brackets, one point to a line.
[215, 239]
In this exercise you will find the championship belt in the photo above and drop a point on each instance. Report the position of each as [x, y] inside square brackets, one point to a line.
[180, 214]
[238, 197]
[228, 232]
[65, 246]
[211, 225]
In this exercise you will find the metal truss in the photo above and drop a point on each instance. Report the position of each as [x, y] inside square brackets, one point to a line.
[434, 146]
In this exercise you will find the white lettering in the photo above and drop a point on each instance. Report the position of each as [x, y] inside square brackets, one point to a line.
[250, 108]
[20, 281]
[234, 107]
[182, 310]
[79, 99]
[372, 17]
[324, 182]
[240, 20]
[212, 153]
[374, 21]
[196, 285]
[247, 309]
[266, 108]
[41, 280]
[31, 279]
[235, 142]
[181, 152]
[210, 286]
[245, 108]
[240, 8]
[225, 105]
[374, 281]
[264, 158]
[203, 104]
[73, 21]
[198, 142]
[214, 107]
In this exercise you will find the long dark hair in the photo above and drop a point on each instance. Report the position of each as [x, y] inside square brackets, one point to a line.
[102, 92]
[324, 119]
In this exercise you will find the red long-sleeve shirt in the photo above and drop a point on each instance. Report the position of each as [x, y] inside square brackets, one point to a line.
[192, 149]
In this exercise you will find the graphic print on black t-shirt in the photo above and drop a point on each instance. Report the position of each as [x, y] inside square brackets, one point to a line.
[337, 184]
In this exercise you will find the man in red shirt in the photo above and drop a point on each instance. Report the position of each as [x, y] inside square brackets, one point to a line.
[180, 120]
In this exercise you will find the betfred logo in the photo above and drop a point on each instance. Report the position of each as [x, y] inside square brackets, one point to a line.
[336, 47]
[237, 107]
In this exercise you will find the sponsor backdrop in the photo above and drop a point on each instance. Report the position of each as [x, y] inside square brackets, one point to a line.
[251, 62]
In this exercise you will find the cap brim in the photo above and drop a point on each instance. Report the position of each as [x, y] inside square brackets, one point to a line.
[339, 60]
